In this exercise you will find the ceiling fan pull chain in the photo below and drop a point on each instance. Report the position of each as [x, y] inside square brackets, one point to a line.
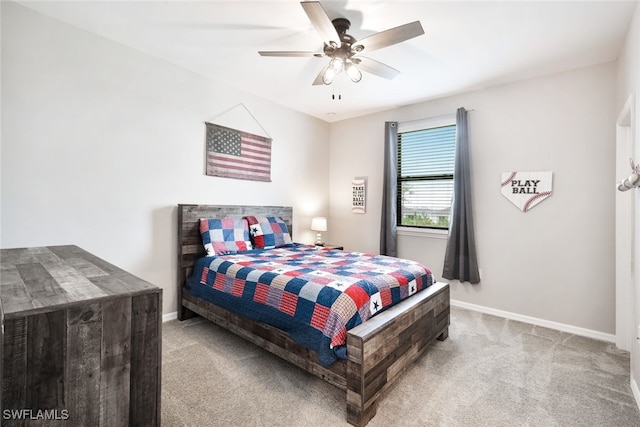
[333, 94]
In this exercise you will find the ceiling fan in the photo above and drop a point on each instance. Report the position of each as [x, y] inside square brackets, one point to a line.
[344, 50]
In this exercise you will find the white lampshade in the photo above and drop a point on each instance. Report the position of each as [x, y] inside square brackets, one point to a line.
[319, 223]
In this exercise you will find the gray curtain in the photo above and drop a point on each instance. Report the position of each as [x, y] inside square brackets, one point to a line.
[388, 239]
[460, 260]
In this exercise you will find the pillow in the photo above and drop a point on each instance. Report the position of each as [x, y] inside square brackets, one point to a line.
[268, 232]
[225, 235]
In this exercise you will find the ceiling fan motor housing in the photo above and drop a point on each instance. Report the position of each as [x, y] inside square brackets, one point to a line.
[342, 25]
[346, 40]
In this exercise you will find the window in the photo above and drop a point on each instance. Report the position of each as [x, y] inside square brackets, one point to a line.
[426, 156]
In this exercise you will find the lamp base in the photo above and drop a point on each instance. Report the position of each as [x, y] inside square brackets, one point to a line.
[319, 241]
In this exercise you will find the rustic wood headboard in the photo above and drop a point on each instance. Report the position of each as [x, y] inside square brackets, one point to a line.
[190, 247]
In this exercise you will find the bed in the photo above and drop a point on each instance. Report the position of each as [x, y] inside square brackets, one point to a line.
[377, 350]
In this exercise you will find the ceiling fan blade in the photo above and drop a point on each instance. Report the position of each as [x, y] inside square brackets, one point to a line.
[378, 68]
[321, 22]
[390, 36]
[290, 53]
[318, 81]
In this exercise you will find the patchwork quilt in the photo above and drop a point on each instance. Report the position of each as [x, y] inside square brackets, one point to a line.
[314, 294]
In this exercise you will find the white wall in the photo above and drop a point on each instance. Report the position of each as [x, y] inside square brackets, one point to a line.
[100, 143]
[555, 262]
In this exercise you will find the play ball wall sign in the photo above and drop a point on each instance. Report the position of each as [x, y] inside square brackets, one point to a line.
[526, 189]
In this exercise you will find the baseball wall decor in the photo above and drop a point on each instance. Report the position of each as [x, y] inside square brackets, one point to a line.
[633, 181]
[526, 189]
[359, 188]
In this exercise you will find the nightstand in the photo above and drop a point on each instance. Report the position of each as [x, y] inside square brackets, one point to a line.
[328, 246]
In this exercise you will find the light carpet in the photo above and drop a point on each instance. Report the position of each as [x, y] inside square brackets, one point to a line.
[491, 371]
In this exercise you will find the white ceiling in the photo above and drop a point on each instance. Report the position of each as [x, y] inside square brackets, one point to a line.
[466, 45]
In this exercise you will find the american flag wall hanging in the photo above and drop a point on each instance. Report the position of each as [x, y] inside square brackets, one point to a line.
[236, 154]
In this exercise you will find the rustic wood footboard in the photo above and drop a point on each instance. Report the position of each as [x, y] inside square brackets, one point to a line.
[379, 350]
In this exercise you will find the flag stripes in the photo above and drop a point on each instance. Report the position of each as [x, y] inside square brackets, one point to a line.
[236, 154]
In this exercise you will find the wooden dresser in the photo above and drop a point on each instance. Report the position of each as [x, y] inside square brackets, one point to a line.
[81, 341]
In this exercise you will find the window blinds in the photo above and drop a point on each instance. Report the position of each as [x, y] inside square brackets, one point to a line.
[425, 176]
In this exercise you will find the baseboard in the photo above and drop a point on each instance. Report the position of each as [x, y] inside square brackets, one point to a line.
[636, 391]
[601, 336]
[170, 316]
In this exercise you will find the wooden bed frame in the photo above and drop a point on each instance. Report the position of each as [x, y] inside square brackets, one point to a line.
[379, 350]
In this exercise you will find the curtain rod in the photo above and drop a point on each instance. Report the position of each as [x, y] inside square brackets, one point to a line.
[404, 122]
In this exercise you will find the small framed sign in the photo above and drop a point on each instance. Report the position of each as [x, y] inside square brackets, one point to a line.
[526, 189]
[359, 188]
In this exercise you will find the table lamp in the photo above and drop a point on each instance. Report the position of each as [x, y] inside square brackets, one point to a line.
[319, 224]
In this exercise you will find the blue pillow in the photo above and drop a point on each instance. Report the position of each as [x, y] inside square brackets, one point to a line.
[268, 232]
[222, 236]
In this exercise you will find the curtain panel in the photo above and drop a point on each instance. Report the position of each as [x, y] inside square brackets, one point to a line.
[388, 228]
[460, 261]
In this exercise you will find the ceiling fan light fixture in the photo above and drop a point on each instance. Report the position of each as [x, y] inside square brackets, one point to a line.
[353, 72]
[337, 65]
[328, 75]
